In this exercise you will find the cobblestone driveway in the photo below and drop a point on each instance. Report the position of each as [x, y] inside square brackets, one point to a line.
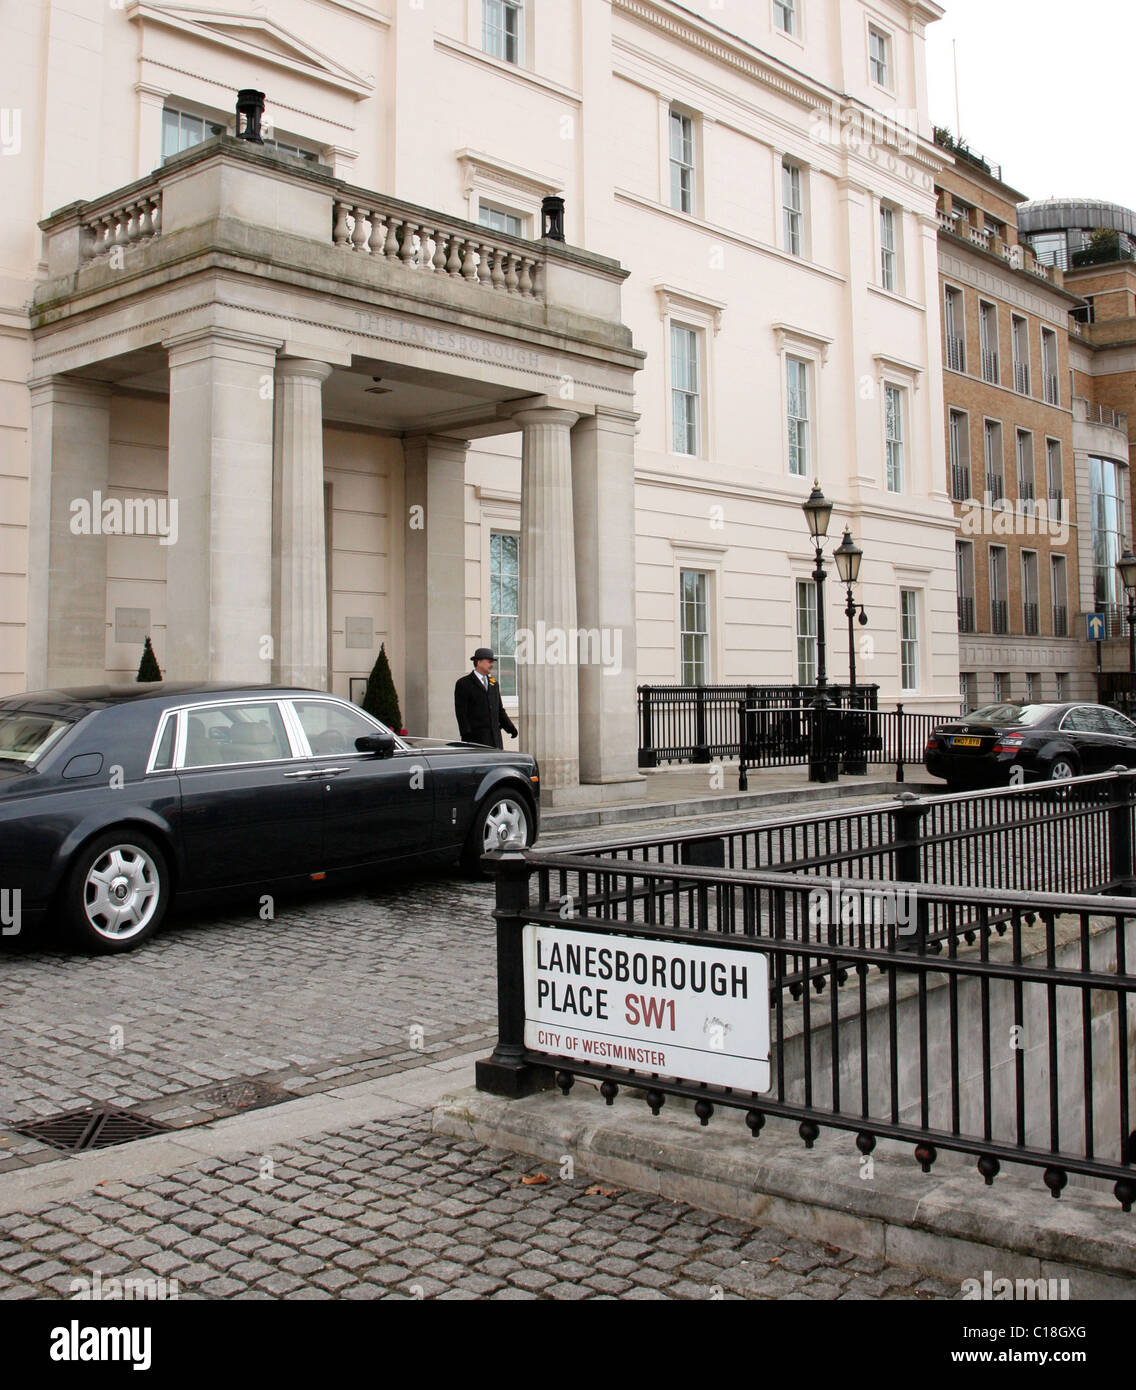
[391, 1210]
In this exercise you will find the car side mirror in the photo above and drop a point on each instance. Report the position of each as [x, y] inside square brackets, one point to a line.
[381, 745]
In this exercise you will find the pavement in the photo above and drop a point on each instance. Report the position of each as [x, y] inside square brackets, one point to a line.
[295, 1060]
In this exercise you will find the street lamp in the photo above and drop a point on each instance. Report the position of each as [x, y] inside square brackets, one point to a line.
[848, 556]
[1126, 566]
[818, 511]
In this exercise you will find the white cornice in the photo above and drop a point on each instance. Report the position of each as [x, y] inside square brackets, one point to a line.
[789, 335]
[475, 163]
[898, 367]
[672, 298]
[238, 31]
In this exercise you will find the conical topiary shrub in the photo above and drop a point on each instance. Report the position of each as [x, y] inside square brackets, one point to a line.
[381, 698]
[148, 668]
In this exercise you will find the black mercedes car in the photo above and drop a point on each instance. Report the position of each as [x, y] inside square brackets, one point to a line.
[113, 798]
[1045, 742]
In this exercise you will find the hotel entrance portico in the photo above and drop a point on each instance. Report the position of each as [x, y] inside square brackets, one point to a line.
[242, 336]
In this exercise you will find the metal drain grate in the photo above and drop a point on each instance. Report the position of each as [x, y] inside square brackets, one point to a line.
[89, 1129]
[242, 1095]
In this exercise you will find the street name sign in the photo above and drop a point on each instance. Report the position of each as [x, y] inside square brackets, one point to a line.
[697, 1013]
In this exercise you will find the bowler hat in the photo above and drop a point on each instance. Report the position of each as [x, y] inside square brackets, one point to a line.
[483, 654]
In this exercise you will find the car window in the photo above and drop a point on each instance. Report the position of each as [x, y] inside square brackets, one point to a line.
[237, 733]
[331, 727]
[164, 753]
[1116, 723]
[1085, 719]
[25, 737]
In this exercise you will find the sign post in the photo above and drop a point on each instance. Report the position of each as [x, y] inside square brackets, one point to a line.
[1095, 632]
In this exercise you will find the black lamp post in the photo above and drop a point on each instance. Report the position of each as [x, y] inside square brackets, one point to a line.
[1126, 566]
[822, 768]
[848, 556]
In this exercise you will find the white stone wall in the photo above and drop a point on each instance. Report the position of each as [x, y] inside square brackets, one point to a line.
[402, 100]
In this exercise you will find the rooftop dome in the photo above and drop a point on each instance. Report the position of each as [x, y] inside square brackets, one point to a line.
[1064, 214]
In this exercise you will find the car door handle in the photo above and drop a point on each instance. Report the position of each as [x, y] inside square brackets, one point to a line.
[305, 773]
[329, 771]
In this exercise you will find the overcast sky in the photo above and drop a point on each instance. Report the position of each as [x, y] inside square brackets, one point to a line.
[1045, 88]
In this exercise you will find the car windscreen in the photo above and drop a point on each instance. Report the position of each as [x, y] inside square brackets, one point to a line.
[25, 737]
[1029, 715]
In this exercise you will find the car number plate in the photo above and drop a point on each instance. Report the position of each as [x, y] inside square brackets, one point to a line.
[966, 743]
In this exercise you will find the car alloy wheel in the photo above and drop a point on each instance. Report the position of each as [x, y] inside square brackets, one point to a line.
[1061, 769]
[121, 892]
[505, 820]
[117, 891]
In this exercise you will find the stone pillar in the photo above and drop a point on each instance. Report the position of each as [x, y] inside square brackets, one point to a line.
[547, 683]
[435, 582]
[69, 477]
[299, 553]
[603, 509]
[219, 574]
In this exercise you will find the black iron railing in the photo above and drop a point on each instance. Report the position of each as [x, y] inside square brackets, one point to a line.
[966, 613]
[993, 1020]
[701, 723]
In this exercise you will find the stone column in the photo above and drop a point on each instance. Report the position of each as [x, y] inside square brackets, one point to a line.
[435, 582]
[547, 671]
[69, 477]
[219, 574]
[299, 558]
[603, 508]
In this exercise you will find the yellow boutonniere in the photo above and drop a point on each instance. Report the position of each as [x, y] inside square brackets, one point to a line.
[492, 681]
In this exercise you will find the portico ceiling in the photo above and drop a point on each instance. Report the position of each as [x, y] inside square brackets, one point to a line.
[402, 400]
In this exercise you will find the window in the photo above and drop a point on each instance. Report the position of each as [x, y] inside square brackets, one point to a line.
[958, 439]
[504, 607]
[964, 582]
[331, 728]
[992, 454]
[1062, 685]
[685, 432]
[797, 406]
[501, 29]
[893, 431]
[793, 207]
[1026, 490]
[988, 341]
[908, 639]
[682, 161]
[695, 631]
[252, 733]
[967, 687]
[785, 16]
[889, 264]
[1001, 687]
[498, 220]
[1033, 686]
[1106, 510]
[879, 56]
[1030, 624]
[999, 616]
[286, 147]
[1057, 588]
[806, 632]
[1019, 333]
[180, 131]
[1054, 478]
[1052, 390]
[954, 330]
[1051, 248]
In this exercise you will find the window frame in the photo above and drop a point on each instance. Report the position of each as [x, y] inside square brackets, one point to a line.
[517, 7]
[810, 609]
[993, 427]
[697, 335]
[1027, 506]
[704, 634]
[953, 296]
[880, 69]
[964, 570]
[1022, 381]
[895, 444]
[989, 356]
[958, 443]
[793, 168]
[684, 115]
[793, 9]
[495, 641]
[1058, 567]
[911, 642]
[1028, 556]
[805, 364]
[890, 271]
[998, 563]
[485, 205]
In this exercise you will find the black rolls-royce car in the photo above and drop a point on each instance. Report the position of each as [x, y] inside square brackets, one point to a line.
[114, 797]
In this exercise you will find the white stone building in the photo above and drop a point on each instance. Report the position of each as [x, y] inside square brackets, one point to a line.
[372, 390]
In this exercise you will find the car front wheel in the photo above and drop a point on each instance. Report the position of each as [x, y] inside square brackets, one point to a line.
[117, 892]
[500, 818]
